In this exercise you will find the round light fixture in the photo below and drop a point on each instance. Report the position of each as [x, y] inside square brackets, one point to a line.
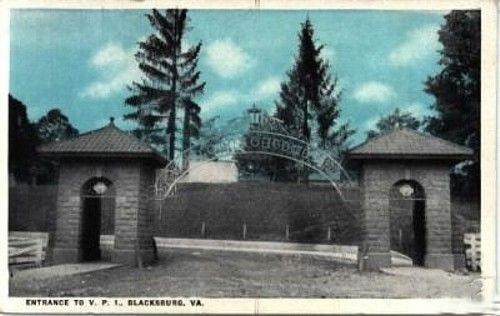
[100, 187]
[406, 190]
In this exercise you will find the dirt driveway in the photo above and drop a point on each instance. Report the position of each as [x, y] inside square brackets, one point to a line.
[229, 274]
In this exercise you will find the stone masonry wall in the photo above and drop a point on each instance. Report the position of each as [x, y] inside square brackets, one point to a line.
[127, 207]
[146, 204]
[126, 178]
[379, 177]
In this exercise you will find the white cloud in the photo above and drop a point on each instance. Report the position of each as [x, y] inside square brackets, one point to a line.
[117, 68]
[219, 99]
[263, 90]
[102, 89]
[228, 59]
[374, 92]
[111, 54]
[420, 44]
[267, 88]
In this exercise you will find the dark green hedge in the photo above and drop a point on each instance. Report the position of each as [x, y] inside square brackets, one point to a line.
[264, 208]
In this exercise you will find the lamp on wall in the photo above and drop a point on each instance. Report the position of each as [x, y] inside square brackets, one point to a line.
[406, 190]
[100, 187]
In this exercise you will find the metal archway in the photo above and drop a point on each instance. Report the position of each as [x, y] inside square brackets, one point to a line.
[267, 137]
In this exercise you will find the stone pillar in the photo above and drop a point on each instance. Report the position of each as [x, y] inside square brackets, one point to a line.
[376, 219]
[145, 221]
[133, 235]
[67, 233]
[438, 219]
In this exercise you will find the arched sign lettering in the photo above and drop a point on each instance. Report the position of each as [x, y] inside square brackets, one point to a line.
[269, 138]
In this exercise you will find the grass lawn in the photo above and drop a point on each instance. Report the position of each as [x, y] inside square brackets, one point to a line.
[231, 274]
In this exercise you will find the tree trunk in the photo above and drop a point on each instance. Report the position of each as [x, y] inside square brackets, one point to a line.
[173, 113]
[302, 176]
[171, 131]
[186, 139]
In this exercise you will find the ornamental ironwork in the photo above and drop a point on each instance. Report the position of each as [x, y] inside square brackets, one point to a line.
[264, 135]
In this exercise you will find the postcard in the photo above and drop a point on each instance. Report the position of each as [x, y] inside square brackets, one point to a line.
[249, 157]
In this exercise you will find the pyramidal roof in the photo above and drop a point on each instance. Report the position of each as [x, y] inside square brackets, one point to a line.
[404, 143]
[108, 141]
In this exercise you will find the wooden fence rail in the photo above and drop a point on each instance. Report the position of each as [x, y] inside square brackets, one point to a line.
[27, 248]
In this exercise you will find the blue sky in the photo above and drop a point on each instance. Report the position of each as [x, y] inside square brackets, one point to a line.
[82, 60]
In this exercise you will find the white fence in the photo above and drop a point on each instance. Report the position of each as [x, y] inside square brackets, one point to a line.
[472, 243]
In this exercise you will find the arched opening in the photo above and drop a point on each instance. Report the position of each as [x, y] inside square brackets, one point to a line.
[407, 216]
[98, 208]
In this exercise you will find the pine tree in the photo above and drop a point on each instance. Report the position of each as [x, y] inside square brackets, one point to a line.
[309, 99]
[457, 91]
[170, 82]
[288, 109]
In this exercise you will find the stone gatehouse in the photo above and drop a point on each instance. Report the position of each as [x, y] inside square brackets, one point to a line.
[418, 165]
[103, 165]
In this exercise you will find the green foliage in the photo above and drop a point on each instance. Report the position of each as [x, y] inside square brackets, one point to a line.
[457, 92]
[170, 82]
[309, 98]
[308, 106]
[55, 126]
[24, 136]
[393, 120]
[252, 166]
[52, 127]
[22, 142]
[209, 137]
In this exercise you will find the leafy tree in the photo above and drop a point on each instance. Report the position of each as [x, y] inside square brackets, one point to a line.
[22, 142]
[170, 82]
[395, 119]
[54, 126]
[457, 92]
[209, 137]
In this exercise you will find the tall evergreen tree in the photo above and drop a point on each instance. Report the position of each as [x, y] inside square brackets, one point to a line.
[457, 92]
[309, 99]
[170, 82]
[288, 107]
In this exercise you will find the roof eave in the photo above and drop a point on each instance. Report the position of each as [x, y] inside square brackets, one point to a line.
[159, 160]
[444, 157]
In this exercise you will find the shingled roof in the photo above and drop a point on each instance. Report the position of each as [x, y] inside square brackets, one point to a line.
[108, 141]
[404, 143]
